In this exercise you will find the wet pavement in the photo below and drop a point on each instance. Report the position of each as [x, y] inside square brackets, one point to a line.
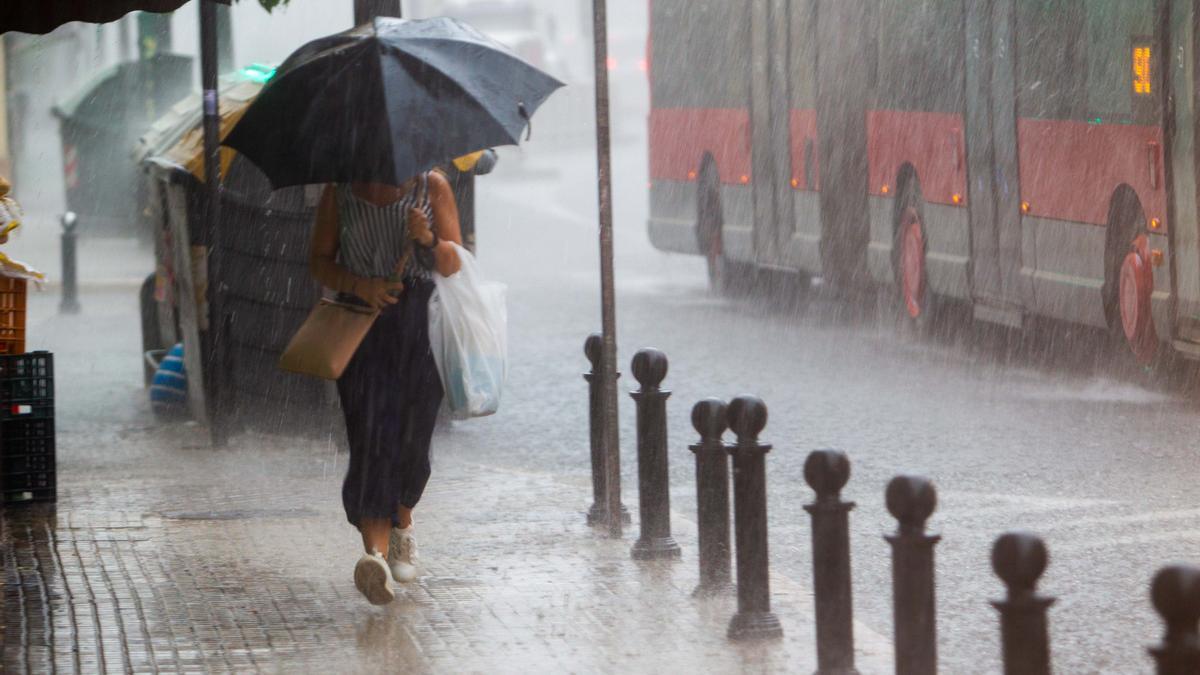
[165, 555]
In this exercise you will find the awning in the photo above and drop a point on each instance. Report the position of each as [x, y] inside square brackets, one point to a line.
[43, 16]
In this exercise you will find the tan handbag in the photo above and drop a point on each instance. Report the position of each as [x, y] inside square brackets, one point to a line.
[331, 335]
[328, 339]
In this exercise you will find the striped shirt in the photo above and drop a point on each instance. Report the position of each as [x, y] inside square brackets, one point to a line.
[373, 239]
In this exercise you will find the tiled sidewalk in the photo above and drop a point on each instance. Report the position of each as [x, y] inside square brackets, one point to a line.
[180, 558]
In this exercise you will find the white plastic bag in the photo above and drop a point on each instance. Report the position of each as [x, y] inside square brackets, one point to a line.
[468, 332]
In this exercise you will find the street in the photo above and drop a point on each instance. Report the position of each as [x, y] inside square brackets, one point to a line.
[1091, 457]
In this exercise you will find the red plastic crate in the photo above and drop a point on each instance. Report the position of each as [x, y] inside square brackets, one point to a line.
[12, 315]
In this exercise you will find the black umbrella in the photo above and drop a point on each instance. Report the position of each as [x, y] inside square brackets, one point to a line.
[387, 100]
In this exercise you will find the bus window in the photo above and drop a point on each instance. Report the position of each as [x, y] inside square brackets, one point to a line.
[920, 56]
[1119, 32]
[1051, 59]
[803, 55]
[706, 62]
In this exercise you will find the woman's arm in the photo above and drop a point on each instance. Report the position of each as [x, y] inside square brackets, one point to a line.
[322, 260]
[445, 224]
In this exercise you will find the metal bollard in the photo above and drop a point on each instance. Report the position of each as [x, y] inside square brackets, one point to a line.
[70, 279]
[911, 500]
[654, 490]
[747, 417]
[712, 498]
[1176, 595]
[827, 472]
[597, 515]
[1020, 559]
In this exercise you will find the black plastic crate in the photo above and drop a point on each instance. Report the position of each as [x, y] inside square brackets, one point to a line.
[13, 447]
[14, 464]
[28, 410]
[25, 428]
[28, 496]
[34, 480]
[26, 378]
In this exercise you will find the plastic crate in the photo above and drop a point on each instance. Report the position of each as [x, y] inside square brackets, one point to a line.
[26, 378]
[27, 440]
[12, 315]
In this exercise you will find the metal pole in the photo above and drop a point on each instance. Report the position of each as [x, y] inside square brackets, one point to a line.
[827, 472]
[747, 417]
[598, 514]
[366, 10]
[608, 310]
[1176, 596]
[712, 498]
[654, 490]
[1019, 559]
[911, 500]
[70, 279]
[212, 180]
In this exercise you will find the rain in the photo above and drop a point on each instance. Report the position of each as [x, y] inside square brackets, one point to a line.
[956, 240]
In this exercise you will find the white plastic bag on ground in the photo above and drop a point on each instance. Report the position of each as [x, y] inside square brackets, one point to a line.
[468, 332]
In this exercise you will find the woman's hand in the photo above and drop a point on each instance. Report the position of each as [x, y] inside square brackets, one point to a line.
[418, 228]
[378, 293]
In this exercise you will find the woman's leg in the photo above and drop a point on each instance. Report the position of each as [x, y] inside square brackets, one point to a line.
[404, 517]
[375, 533]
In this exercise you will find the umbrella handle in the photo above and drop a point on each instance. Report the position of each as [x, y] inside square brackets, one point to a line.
[524, 113]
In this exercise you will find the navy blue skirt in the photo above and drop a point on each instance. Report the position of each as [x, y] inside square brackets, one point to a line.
[390, 396]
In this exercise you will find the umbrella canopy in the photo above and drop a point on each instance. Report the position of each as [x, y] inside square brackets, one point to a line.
[43, 16]
[387, 100]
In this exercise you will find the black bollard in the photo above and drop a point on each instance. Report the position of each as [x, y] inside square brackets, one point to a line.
[654, 490]
[747, 416]
[712, 498]
[1020, 559]
[597, 515]
[70, 278]
[826, 472]
[1176, 596]
[911, 500]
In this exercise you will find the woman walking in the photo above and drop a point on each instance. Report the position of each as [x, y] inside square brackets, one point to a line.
[378, 245]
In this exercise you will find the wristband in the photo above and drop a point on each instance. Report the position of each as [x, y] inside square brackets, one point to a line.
[433, 244]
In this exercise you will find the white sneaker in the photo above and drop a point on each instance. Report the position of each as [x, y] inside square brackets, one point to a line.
[402, 554]
[373, 580]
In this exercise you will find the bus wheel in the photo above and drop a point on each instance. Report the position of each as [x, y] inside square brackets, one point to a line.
[910, 261]
[1136, 285]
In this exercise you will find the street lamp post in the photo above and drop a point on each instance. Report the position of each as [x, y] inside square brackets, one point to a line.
[608, 314]
[366, 10]
[213, 345]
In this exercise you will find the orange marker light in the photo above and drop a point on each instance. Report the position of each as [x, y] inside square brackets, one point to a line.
[1025, 207]
[885, 189]
[795, 182]
[1155, 224]
[691, 175]
[1156, 258]
[745, 179]
[957, 199]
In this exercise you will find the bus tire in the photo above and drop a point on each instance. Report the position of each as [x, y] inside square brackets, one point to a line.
[1129, 279]
[1134, 297]
[909, 249]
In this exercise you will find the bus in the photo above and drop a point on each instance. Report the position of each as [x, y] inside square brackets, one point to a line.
[1027, 158]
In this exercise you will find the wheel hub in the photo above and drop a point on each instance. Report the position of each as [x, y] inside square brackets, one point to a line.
[912, 264]
[1134, 298]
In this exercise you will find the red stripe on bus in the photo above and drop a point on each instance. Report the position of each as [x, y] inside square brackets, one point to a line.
[1069, 169]
[932, 142]
[679, 138]
[804, 127]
